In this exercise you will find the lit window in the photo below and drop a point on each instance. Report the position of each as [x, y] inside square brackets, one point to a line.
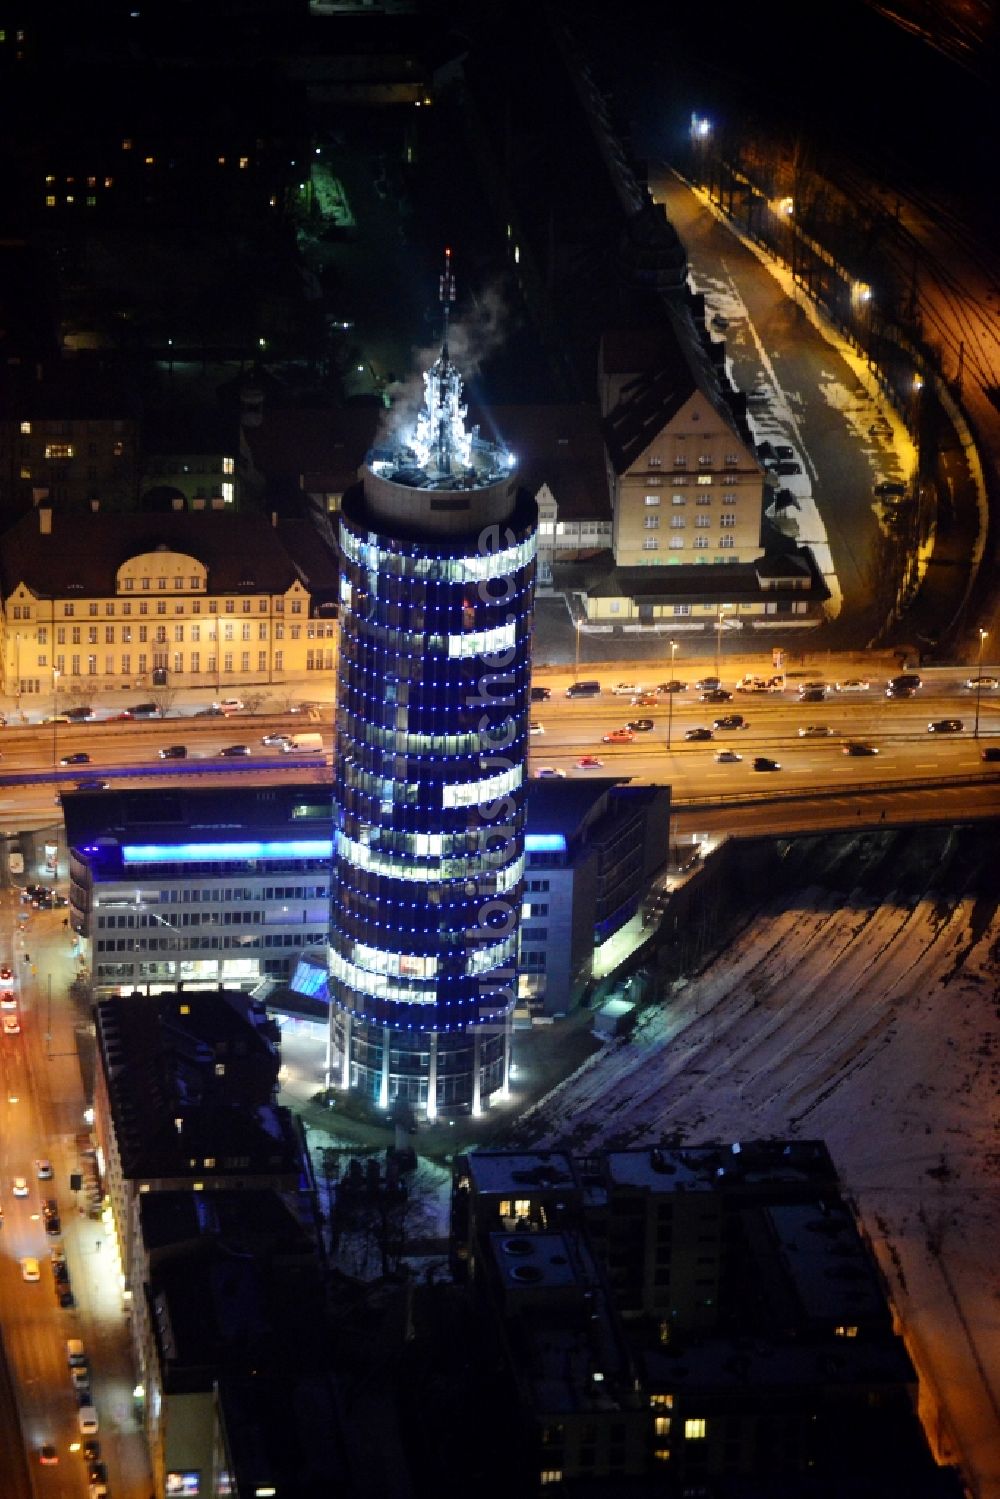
[50, 201]
[704, 478]
[227, 491]
[150, 161]
[25, 429]
[244, 163]
[846, 1332]
[222, 161]
[25, 471]
[58, 450]
[695, 1428]
[109, 182]
[661, 1426]
[551, 1475]
[228, 465]
[126, 144]
[118, 449]
[652, 499]
[682, 610]
[665, 1402]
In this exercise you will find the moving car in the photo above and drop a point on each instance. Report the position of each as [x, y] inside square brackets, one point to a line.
[991, 752]
[589, 762]
[79, 715]
[700, 733]
[29, 1268]
[900, 692]
[6, 973]
[590, 688]
[541, 694]
[48, 1456]
[92, 1450]
[815, 731]
[19, 1186]
[763, 762]
[984, 684]
[230, 705]
[80, 757]
[618, 736]
[945, 726]
[672, 686]
[788, 466]
[719, 322]
[716, 695]
[627, 689]
[853, 684]
[535, 727]
[11, 1025]
[549, 773]
[43, 1170]
[94, 785]
[812, 695]
[906, 679]
[173, 752]
[783, 450]
[644, 700]
[860, 747]
[889, 489]
[232, 750]
[87, 1419]
[707, 684]
[8, 1000]
[76, 1353]
[80, 1378]
[730, 721]
[728, 756]
[279, 740]
[640, 725]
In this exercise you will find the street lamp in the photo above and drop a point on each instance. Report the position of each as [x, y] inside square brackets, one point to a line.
[576, 675]
[55, 712]
[670, 695]
[983, 637]
[718, 639]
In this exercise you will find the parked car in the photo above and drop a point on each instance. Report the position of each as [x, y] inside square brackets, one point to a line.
[730, 721]
[787, 466]
[764, 762]
[719, 322]
[945, 726]
[144, 710]
[230, 705]
[80, 757]
[6, 972]
[860, 747]
[783, 450]
[698, 734]
[232, 750]
[79, 715]
[29, 1268]
[815, 731]
[618, 736]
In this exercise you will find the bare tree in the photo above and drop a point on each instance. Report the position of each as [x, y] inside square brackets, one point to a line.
[164, 698]
[253, 701]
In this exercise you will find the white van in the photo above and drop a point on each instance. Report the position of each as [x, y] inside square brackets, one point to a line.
[87, 1418]
[303, 744]
[76, 1354]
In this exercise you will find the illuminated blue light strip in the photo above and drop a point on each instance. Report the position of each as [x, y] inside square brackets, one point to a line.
[544, 843]
[208, 853]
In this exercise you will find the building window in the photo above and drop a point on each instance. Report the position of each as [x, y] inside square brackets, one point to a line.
[705, 461]
[655, 461]
[677, 523]
[59, 450]
[677, 543]
[650, 544]
[701, 543]
[680, 460]
[652, 499]
[145, 584]
[228, 465]
[732, 460]
[704, 499]
[701, 521]
[727, 542]
[725, 520]
[652, 522]
[704, 478]
[681, 611]
[25, 429]
[678, 499]
[695, 1428]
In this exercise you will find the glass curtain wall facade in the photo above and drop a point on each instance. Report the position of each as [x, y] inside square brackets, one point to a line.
[429, 790]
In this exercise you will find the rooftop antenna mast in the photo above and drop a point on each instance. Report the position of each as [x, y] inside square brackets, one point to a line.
[446, 296]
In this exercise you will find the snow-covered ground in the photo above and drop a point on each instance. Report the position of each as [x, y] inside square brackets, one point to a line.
[863, 1012]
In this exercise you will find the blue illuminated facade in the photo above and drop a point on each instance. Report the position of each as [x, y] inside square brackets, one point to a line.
[438, 556]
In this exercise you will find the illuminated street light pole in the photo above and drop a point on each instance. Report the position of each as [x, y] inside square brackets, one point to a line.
[983, 637]
[718, 639]
[576, 675]
[670, 695]
[55, 713]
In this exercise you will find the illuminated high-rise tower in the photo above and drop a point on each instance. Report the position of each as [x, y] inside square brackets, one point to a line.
[438, 566]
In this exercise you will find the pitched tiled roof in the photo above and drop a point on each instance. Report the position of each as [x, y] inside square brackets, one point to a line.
[561, 446]
[83, 551]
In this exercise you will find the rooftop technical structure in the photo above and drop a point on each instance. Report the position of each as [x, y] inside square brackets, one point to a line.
[437, 548]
